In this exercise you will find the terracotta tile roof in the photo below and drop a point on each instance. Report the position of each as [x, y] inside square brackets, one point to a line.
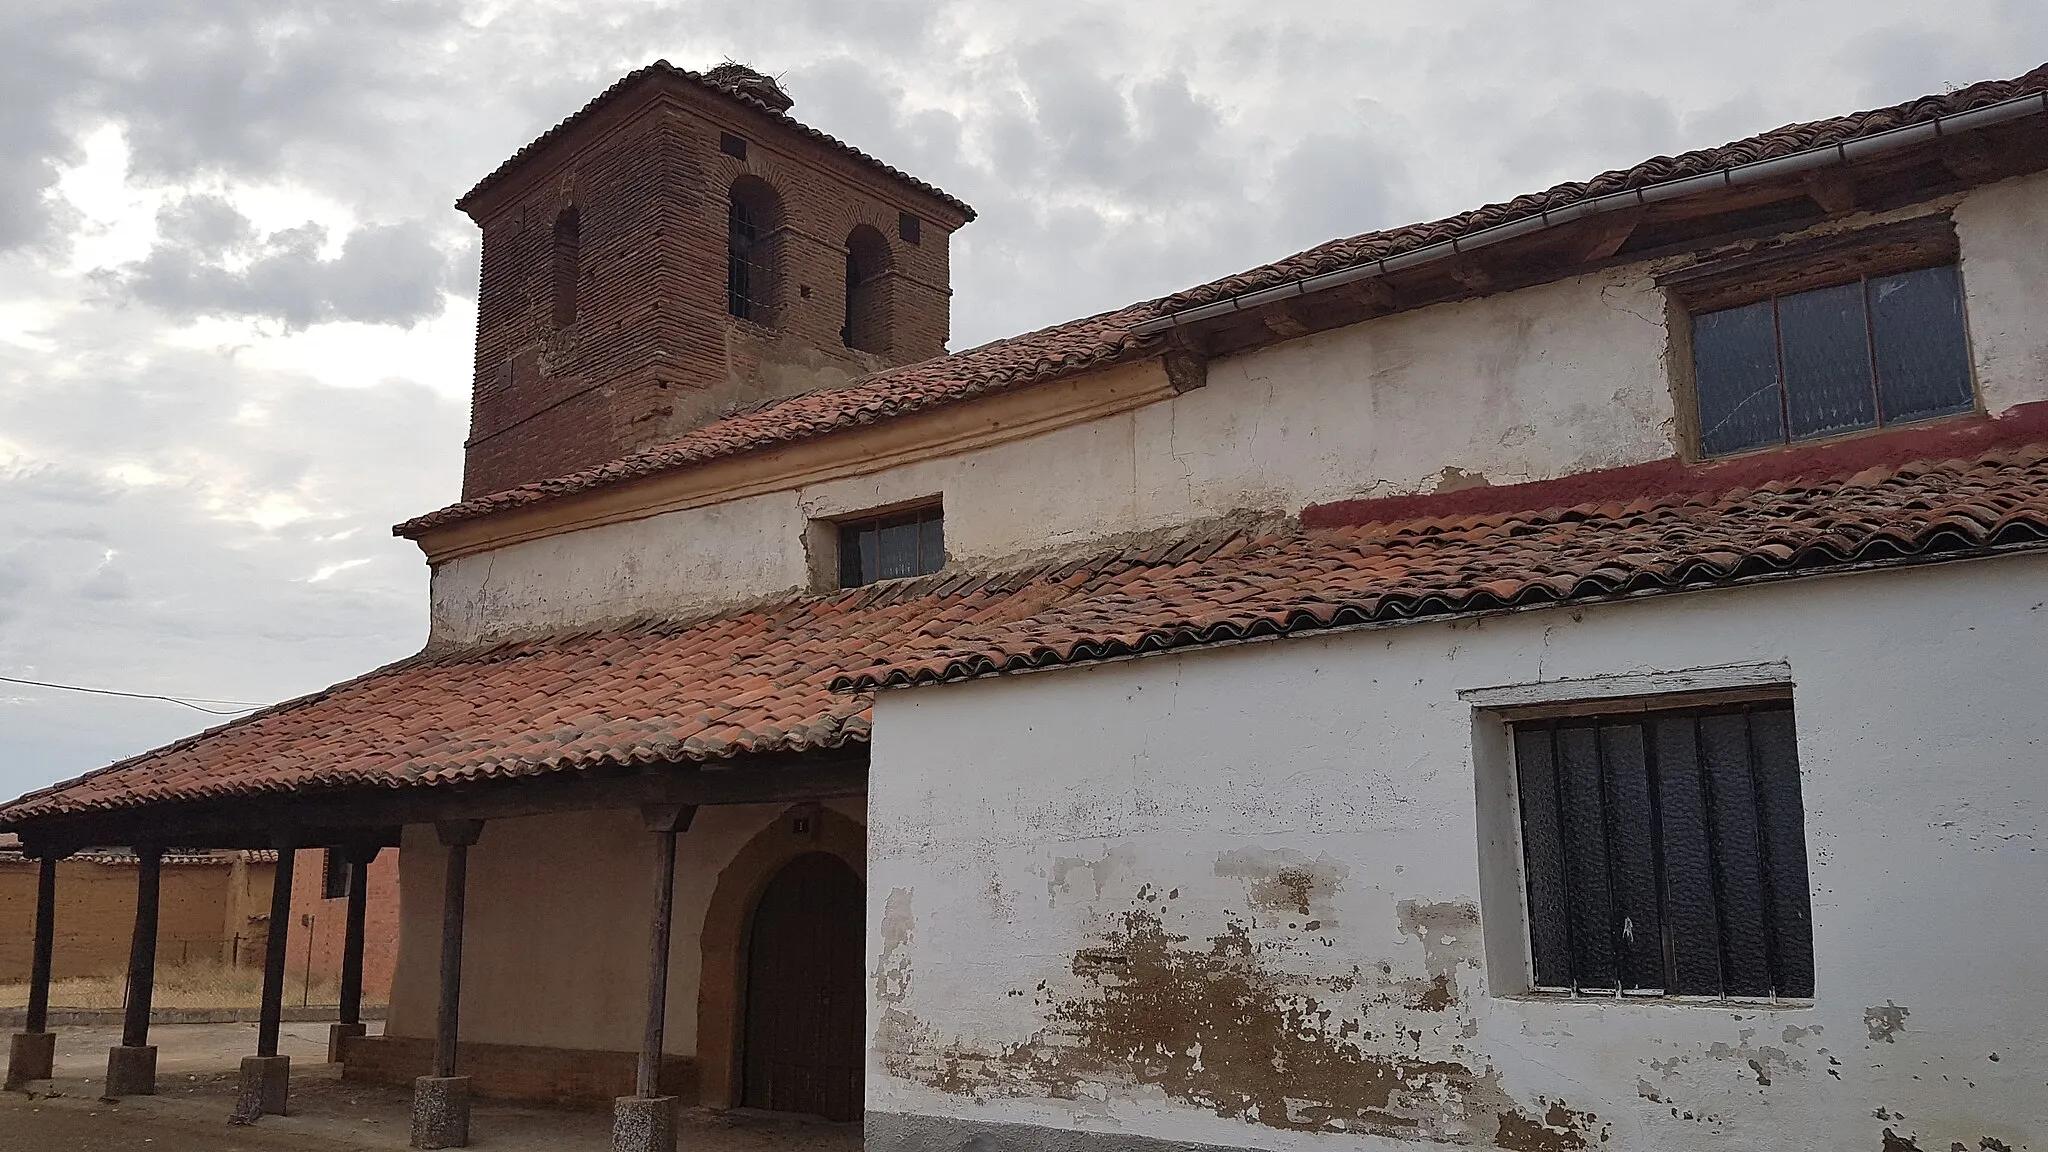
[772, 678]
[1094, 342]
[739, 95]
[1383, 573]
[1791, 138]
[1084, 345]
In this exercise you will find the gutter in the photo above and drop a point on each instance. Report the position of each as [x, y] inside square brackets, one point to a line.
[1731, 176]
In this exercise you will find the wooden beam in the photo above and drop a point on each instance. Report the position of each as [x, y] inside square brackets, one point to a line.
[1600, 237]
[353, 934]
[271, 1015]
[142, 946]
[372, 815]
[1833, 189]
[456, 836]
[45, 946]
[665, 822]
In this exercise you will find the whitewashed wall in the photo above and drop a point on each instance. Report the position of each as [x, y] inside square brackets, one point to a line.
[1286, 834]
[1528, 385]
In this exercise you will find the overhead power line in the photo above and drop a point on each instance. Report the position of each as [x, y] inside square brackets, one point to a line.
[196, 703]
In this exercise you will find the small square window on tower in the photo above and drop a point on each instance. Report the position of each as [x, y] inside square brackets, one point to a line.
[909, 227]
[732, 146]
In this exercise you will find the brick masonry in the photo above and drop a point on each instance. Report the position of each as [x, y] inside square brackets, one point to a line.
[319, 925]
[652, 350]
[566, 1076]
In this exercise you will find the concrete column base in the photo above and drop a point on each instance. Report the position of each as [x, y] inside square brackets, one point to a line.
[266, 1088]
[644, 1124]
[131, 1070]
[440, 1112]
[32, 1056]
[336, 1033]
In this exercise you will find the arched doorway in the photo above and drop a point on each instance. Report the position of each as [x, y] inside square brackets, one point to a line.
[801, 1050]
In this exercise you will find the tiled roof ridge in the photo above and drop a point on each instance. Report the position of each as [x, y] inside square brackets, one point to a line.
[664, 68]
[999, 365]
[1971, 529]
[1798, 136]
[1673, 477]
[183, 742]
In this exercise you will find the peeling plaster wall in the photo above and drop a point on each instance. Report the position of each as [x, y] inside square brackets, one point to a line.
[1234, 897]
[555, 940]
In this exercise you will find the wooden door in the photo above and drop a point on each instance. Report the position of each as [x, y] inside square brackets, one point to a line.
[802, 1044]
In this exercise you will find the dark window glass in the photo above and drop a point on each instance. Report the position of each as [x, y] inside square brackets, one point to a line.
[1879, 351]
[568, 265]
[732, 145]
[909, 228]
[891, 547]
[1665, 853]
[741, 276]
[1923, 369]
[1735, 366]
[333, 875]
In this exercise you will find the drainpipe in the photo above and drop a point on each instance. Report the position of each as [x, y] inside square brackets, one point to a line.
[1732, 176]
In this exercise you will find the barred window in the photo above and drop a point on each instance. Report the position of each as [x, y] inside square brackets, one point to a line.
[1665, 853]
[890, 547]
[752, 254]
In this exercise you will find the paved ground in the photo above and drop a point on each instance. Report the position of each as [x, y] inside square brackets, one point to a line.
[196, 1082]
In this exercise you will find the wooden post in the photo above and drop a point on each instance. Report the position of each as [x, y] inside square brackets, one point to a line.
[131, 1065]
[665, 821]
[457, 835]
[352, 936]
[45, 946]
[142, 946]
[272, 1017]
[32, 1054]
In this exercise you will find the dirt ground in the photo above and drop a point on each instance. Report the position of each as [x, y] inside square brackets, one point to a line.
[197, 1082]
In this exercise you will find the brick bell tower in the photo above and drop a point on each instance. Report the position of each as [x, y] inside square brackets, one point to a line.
[679, 249]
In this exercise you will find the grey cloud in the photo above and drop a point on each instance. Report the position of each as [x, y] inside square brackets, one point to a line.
[210, 261]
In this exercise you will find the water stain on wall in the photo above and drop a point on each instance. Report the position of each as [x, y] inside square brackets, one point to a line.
[1286, 880]
[1219, 1025]
[1886, 1022]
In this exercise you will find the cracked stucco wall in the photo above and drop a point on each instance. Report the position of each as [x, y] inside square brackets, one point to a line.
[1236, 897]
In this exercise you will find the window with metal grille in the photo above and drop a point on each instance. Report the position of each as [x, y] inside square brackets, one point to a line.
[334, 875]
[1665, 853]
[890, 547]
[1876, 351]
[753, 222]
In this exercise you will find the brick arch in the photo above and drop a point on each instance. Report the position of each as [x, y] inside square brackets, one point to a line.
[721, 987]
[869, 303]
[766, 256]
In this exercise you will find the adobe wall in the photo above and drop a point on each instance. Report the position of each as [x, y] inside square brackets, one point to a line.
[1268, 896]
[555, 948]
[1535, 384]
[197, 916]
[319, 927]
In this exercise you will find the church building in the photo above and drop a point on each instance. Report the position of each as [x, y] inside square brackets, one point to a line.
[1563, 676]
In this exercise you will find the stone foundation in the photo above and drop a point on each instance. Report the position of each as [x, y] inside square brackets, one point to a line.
[644, 1124]
[266, 1087]
[440, 1112]
[338, 1036]
[30, 1057]
[131, 1071]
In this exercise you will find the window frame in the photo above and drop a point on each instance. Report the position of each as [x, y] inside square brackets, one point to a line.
[917, 512]
[1511, 862]
[336, 874]
[1756, 274]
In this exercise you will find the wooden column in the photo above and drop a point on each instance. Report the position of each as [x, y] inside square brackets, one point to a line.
[457, 835]
[142, 946]
[665, 821]
[45, 946]
[352, 940]
[272, 1017]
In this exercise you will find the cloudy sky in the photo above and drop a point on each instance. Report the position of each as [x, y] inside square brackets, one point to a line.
[236, 306]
